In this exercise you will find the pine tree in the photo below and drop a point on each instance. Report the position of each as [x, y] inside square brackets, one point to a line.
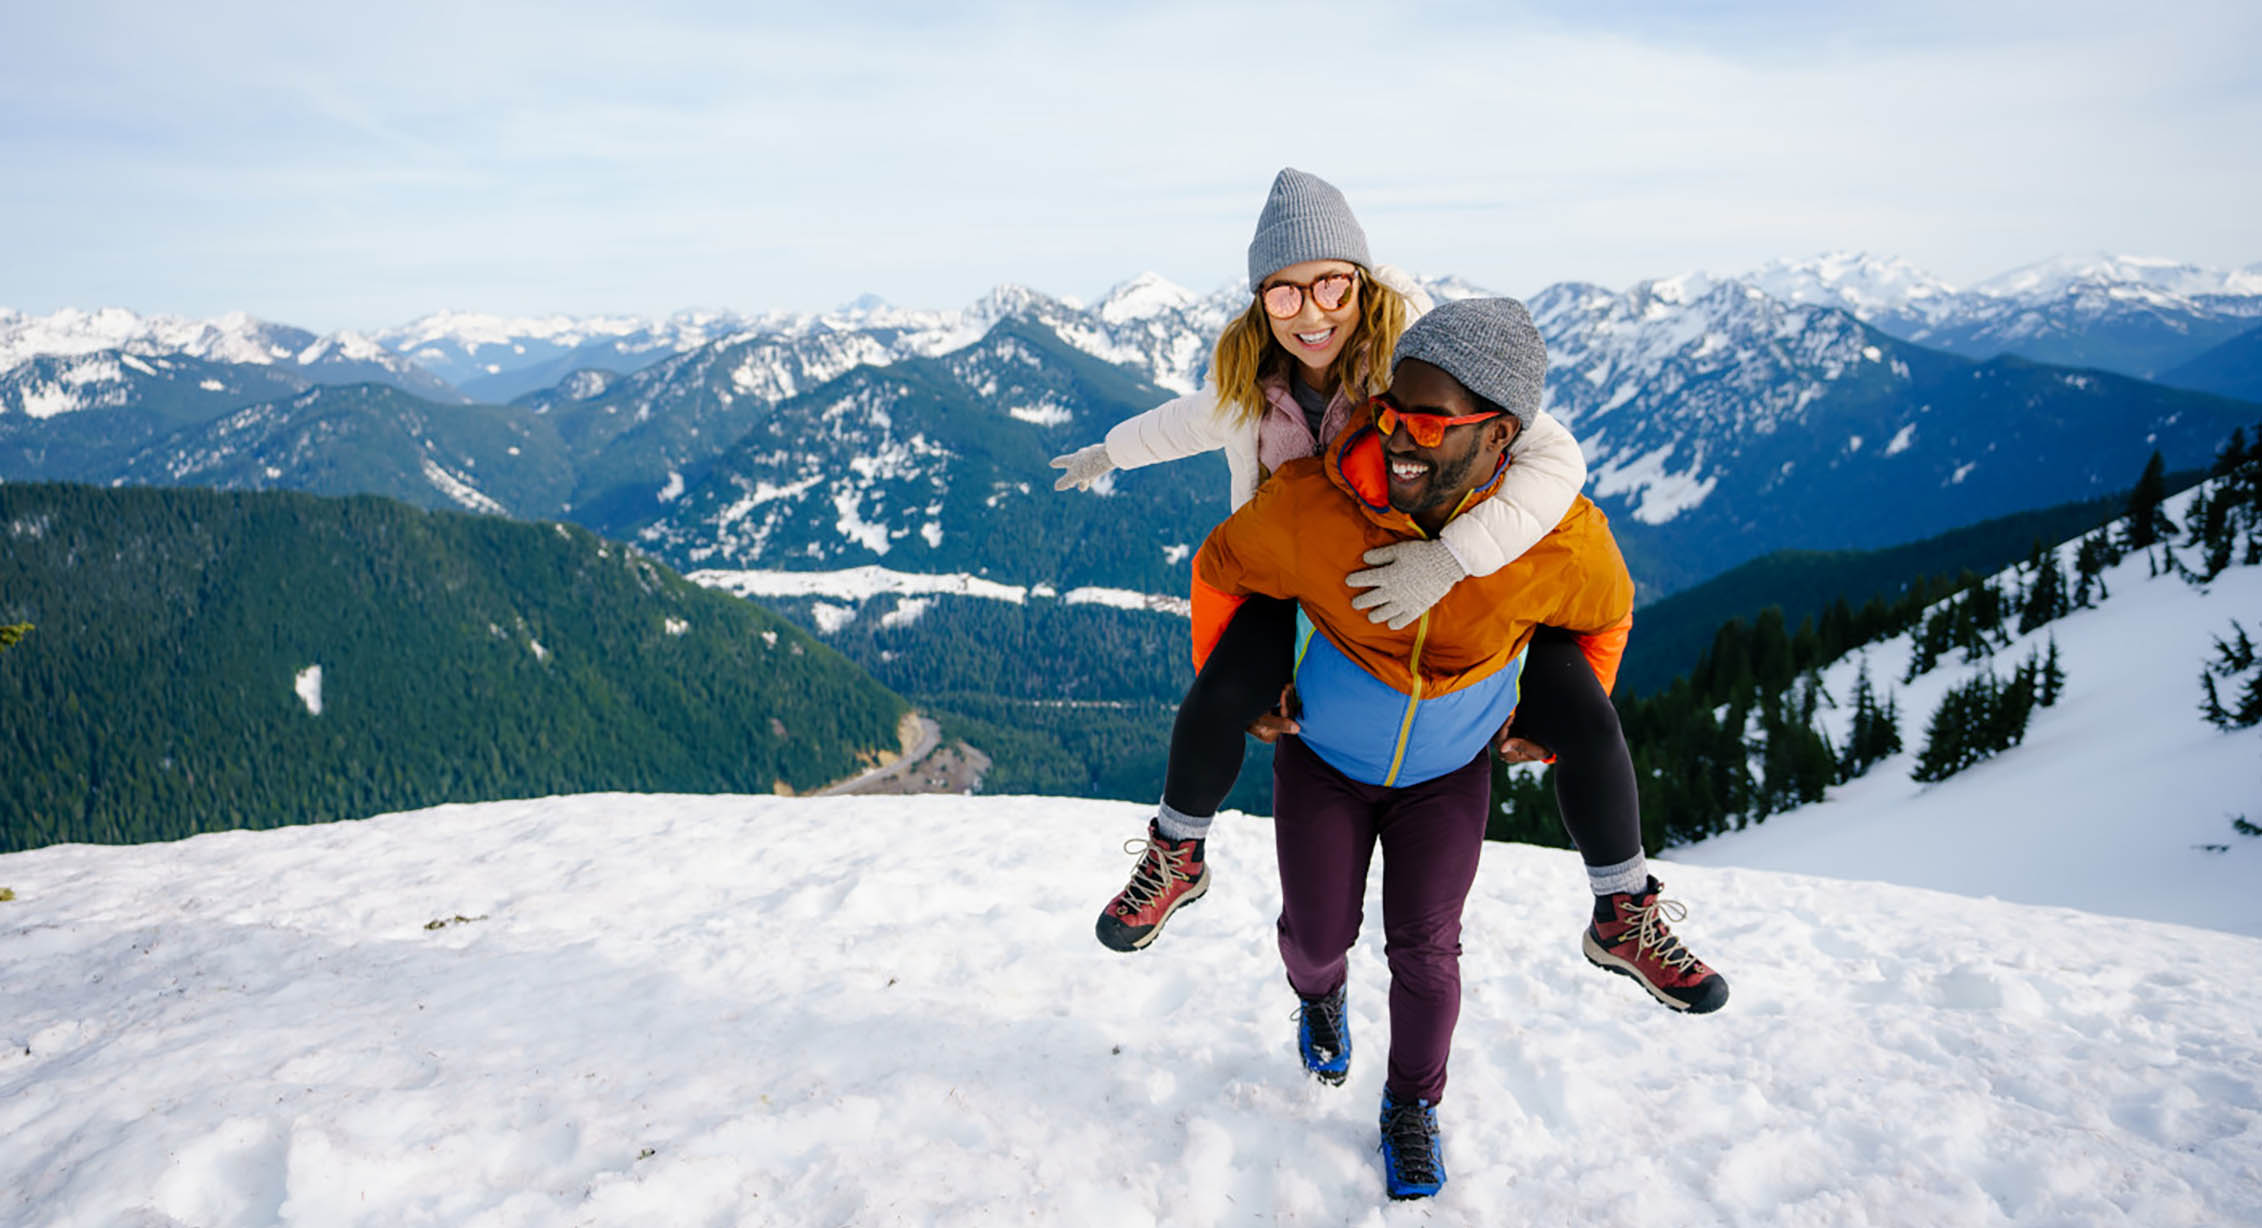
[2218, 537]
[2236, 654]
[1875, 732]
[2248, 713]
[1946, 739]
[1975, 721]
[2146, 518]
[2046, 597]
[2053, 684]
[1771, 663]
[2012, 706]
[1933, 637]
[2089, 567]
[2211, 704]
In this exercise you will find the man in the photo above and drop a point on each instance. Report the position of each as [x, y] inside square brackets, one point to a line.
[1392, 741]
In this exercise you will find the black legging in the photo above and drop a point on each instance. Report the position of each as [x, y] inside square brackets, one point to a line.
[1562, 707]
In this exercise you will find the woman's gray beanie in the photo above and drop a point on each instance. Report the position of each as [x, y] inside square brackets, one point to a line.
[1489, 344]
[1305, 218]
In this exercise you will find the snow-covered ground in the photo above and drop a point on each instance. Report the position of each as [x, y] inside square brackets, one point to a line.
[2120, 800]
[691, 1011]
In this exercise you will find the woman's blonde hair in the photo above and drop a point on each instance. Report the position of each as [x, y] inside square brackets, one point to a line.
[1247, 354]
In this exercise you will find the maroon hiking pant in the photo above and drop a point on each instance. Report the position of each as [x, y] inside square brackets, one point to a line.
[1326, 826]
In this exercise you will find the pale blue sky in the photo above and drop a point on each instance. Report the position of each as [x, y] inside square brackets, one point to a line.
[337, 166]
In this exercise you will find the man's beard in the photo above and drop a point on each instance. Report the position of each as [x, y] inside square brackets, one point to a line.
[1445, 485]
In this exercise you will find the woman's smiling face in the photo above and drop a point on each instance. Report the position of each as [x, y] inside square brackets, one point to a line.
[1314, 335]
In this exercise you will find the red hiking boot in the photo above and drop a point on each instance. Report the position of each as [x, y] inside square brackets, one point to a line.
[1629, 937]
[1170, 875]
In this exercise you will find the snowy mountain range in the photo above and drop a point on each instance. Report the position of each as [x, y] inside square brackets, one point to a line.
[2132, 315]
[99, 343]
[1723, 418]
[1146, 323]
[2047, 311]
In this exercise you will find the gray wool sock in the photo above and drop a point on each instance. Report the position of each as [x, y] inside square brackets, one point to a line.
[1176, 826]
[1630, 875]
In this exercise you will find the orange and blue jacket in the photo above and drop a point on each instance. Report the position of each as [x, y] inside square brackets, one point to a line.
[1396, 708]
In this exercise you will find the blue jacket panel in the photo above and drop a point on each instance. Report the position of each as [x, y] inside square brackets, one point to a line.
[1374, 733]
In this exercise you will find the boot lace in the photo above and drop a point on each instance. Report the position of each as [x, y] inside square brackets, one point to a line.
[1410, 1130]
[1157, 867]
[1650, 933]
[1324, 1017]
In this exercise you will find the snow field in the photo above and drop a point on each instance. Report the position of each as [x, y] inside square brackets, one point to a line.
[706, 1011]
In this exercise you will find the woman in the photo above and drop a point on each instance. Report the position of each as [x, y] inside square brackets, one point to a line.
[1315, 341]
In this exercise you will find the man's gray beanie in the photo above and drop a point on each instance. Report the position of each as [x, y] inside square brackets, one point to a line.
[1305, 218]
[1489, 344]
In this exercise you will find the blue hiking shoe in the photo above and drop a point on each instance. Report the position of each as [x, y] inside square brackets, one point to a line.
[1323, 1036]
[1413, 1159]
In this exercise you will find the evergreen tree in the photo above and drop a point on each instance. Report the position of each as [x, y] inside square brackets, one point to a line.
[2218, 538]
[1771, 661]
[2089, 564]
[2011, 705]
[1795, 767]
[1875, 733]
[2147, 518]
[2235, 655]
[2053, 679]
[2046, 596]
[1838, 630]
[2231, 659]
[1806, 647]
[1975, 721]
[1947, 738]
[2211, 704]
[2249, 710]
[1934, 637]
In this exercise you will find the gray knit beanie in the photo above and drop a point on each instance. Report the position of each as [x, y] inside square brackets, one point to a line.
[1489, 344]
[1305, 218]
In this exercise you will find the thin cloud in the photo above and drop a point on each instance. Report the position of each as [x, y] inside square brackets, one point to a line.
[356, 168]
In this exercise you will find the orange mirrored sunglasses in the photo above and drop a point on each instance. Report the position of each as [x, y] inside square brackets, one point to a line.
[1283, 299]
[1428, 430]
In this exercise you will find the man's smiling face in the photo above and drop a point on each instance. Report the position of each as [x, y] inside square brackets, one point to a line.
[1428, 482]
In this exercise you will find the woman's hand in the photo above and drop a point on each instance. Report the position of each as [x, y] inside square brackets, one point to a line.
[1085, 466]
[1407, 580]
[1280, 720]
[1513, 749]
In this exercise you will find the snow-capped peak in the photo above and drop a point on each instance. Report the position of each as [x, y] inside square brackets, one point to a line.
[234, 337]
[1143, 297]
[1663, 296]
[348, 345]
[1451, 289]
[2053, 278]
[1855, 282]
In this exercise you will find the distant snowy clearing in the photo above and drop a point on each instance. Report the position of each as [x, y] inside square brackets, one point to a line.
[687, 1010]
[861, 584]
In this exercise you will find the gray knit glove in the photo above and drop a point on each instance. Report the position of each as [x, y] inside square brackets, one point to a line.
[1409, 578]
[1085, 466]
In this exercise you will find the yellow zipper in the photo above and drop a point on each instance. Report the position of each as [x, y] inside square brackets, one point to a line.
[1413, 700]
[1414, 667]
